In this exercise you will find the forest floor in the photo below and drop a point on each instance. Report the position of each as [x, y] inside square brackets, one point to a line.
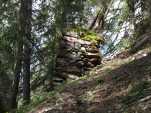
[121, 85]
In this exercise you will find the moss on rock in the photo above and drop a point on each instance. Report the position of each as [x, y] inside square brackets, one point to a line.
[87, 35]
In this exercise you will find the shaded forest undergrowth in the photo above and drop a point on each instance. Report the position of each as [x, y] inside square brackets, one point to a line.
[117, 86]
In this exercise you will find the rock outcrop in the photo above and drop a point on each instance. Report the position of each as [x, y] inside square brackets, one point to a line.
[75, 57]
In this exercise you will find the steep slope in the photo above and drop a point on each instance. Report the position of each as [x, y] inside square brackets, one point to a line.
[118, 86]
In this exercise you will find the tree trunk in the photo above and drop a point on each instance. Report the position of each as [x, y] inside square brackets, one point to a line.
[26, 16]
[141, 42]
[94, 21]
[17, 76]
[26, 75]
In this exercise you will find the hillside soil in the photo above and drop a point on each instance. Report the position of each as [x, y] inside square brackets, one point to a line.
[120, 85]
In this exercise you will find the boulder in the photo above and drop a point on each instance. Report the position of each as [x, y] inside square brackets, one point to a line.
[95, 61]
[92, 50]
[92, 55]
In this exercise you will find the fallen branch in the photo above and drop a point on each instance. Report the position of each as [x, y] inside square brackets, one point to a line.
[144, 39]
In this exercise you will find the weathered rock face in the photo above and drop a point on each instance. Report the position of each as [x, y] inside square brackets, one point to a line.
[75, 57]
